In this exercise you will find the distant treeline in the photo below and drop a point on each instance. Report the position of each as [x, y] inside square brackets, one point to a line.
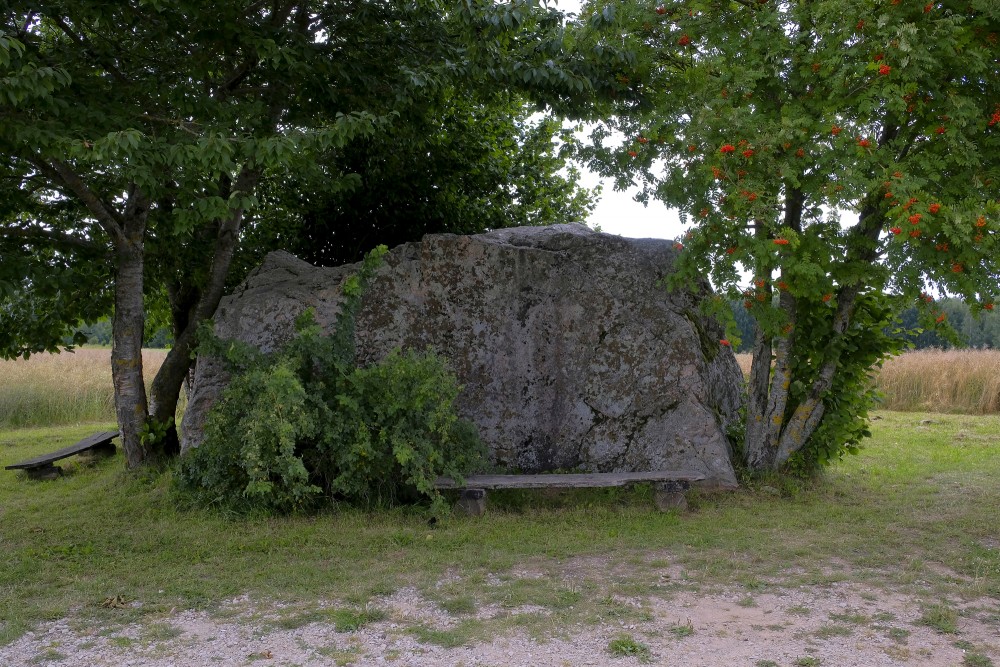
[99, 333]
[982, 331]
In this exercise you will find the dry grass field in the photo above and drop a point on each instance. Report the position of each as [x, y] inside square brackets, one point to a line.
[959, 381]
[75, 388]
[956, 381]
[68, 388]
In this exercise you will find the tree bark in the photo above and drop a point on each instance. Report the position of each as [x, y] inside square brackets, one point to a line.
[769, 394]
[127, 332]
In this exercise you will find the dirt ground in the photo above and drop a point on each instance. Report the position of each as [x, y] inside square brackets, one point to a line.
[838, 625]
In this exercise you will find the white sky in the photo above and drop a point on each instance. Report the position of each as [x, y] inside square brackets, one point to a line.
[617, 212]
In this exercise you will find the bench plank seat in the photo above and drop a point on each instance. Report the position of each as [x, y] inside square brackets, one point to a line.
[591, 480]
[669, 493]
[97, 441]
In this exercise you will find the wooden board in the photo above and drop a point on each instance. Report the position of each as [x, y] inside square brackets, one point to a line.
[568, 481]
[96, 440]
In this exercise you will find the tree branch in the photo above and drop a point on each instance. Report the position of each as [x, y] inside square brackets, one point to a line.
[86, 46]
[106, 216]
[41, 235]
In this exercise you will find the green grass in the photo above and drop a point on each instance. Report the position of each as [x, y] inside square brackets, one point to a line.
[624, 646]
[941, 617]
[917, 494]
[682, 630]
[807, 661]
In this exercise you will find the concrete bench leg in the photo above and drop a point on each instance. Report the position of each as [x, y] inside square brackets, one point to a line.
[670, 496]
[472, 502]
[97, 453]
[44, 472]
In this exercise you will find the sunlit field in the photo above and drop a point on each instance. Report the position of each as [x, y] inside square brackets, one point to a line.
[958, 381]
[68, 388]
[75, 387]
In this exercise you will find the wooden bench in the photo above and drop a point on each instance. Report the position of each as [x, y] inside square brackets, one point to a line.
[669, 490]
[98, 445]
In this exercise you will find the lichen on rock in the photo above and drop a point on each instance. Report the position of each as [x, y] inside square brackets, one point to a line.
[571, 353]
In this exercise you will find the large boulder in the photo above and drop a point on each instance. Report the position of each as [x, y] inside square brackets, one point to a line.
[572, 353]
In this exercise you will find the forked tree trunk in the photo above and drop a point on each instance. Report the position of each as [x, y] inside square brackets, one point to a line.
[768, 393]
[176, 368]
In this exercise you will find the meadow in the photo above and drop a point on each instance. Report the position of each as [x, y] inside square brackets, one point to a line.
[933, 380]
[68, 388]
[915, 515]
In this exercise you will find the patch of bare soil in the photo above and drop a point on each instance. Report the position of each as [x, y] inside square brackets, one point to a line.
[838, 625]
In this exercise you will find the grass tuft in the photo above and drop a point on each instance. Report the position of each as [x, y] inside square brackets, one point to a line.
[624, 646]
[941, 617]
[682, 630]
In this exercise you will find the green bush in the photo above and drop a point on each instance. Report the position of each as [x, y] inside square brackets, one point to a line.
[303, 425]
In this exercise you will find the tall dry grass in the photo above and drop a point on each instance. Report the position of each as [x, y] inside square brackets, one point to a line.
[965, 381]
[75, 387]
[67, 388]
[958, 381]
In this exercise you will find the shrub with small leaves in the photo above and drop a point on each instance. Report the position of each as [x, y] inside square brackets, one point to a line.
[303, 425]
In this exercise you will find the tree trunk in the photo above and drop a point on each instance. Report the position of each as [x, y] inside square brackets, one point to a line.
[126, 351]
[769, 393]
[809, 413]
[176, 368]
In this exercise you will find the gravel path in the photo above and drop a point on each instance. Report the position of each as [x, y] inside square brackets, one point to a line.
[839, 625]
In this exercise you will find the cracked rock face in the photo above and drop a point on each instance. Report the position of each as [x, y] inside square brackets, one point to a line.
[571, 353]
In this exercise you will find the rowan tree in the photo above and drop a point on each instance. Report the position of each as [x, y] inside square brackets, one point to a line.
[843, 153]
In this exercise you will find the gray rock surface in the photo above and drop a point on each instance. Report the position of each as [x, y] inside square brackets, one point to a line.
[571, 353]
